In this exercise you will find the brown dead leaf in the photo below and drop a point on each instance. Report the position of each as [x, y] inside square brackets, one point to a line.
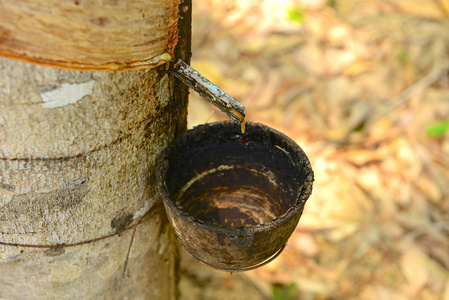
[262, 94]
[413, 266]
[339, 34]
[370, 179]
[326, 80]
[310, 58]
[342, 125]
[408, 163]
[229, 284]
[340, 59]
[376, 292]
[318, 24]
[314, 286]
[377, 83]
[360, 157]
[359, 67]
[430, 190]
[446, 291]
[444, 4]
[312, 4]
[437, 247]
[342, 232]
[423, 8]
[393, 229]
[381, 130]
[305, 243]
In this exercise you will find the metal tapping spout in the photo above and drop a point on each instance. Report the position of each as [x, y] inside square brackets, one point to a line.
[208, 91]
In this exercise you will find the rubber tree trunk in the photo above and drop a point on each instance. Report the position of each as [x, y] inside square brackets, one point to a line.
[77, 155]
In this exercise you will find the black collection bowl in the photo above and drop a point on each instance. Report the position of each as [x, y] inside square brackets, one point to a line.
[234, 199]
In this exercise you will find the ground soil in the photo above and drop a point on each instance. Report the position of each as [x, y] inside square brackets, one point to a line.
[363, 88]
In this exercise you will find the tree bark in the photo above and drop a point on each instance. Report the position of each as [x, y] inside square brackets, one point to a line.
[89, 35]
[77, 155]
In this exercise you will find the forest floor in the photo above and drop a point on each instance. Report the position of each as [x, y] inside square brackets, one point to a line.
[363, 88]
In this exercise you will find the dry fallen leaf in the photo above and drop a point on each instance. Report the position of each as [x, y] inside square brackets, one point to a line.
[413, 266]
[422, 8]
[376, 292]
[446, 291]
[305, 243]
[430, 190]
[342, 232]
[350, 81]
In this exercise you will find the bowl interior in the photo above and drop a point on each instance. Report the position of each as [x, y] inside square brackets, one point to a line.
[221, 177]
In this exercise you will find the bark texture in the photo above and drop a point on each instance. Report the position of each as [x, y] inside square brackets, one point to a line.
[77, 155]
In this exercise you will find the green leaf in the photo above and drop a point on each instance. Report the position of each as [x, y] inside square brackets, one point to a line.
[296, 15]
[290, 291]
[437, 129]
[277, 294]
[287, 292]
[403, 57]
[332, 3]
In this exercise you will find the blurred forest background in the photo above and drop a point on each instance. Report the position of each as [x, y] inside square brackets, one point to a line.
[363, 88]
